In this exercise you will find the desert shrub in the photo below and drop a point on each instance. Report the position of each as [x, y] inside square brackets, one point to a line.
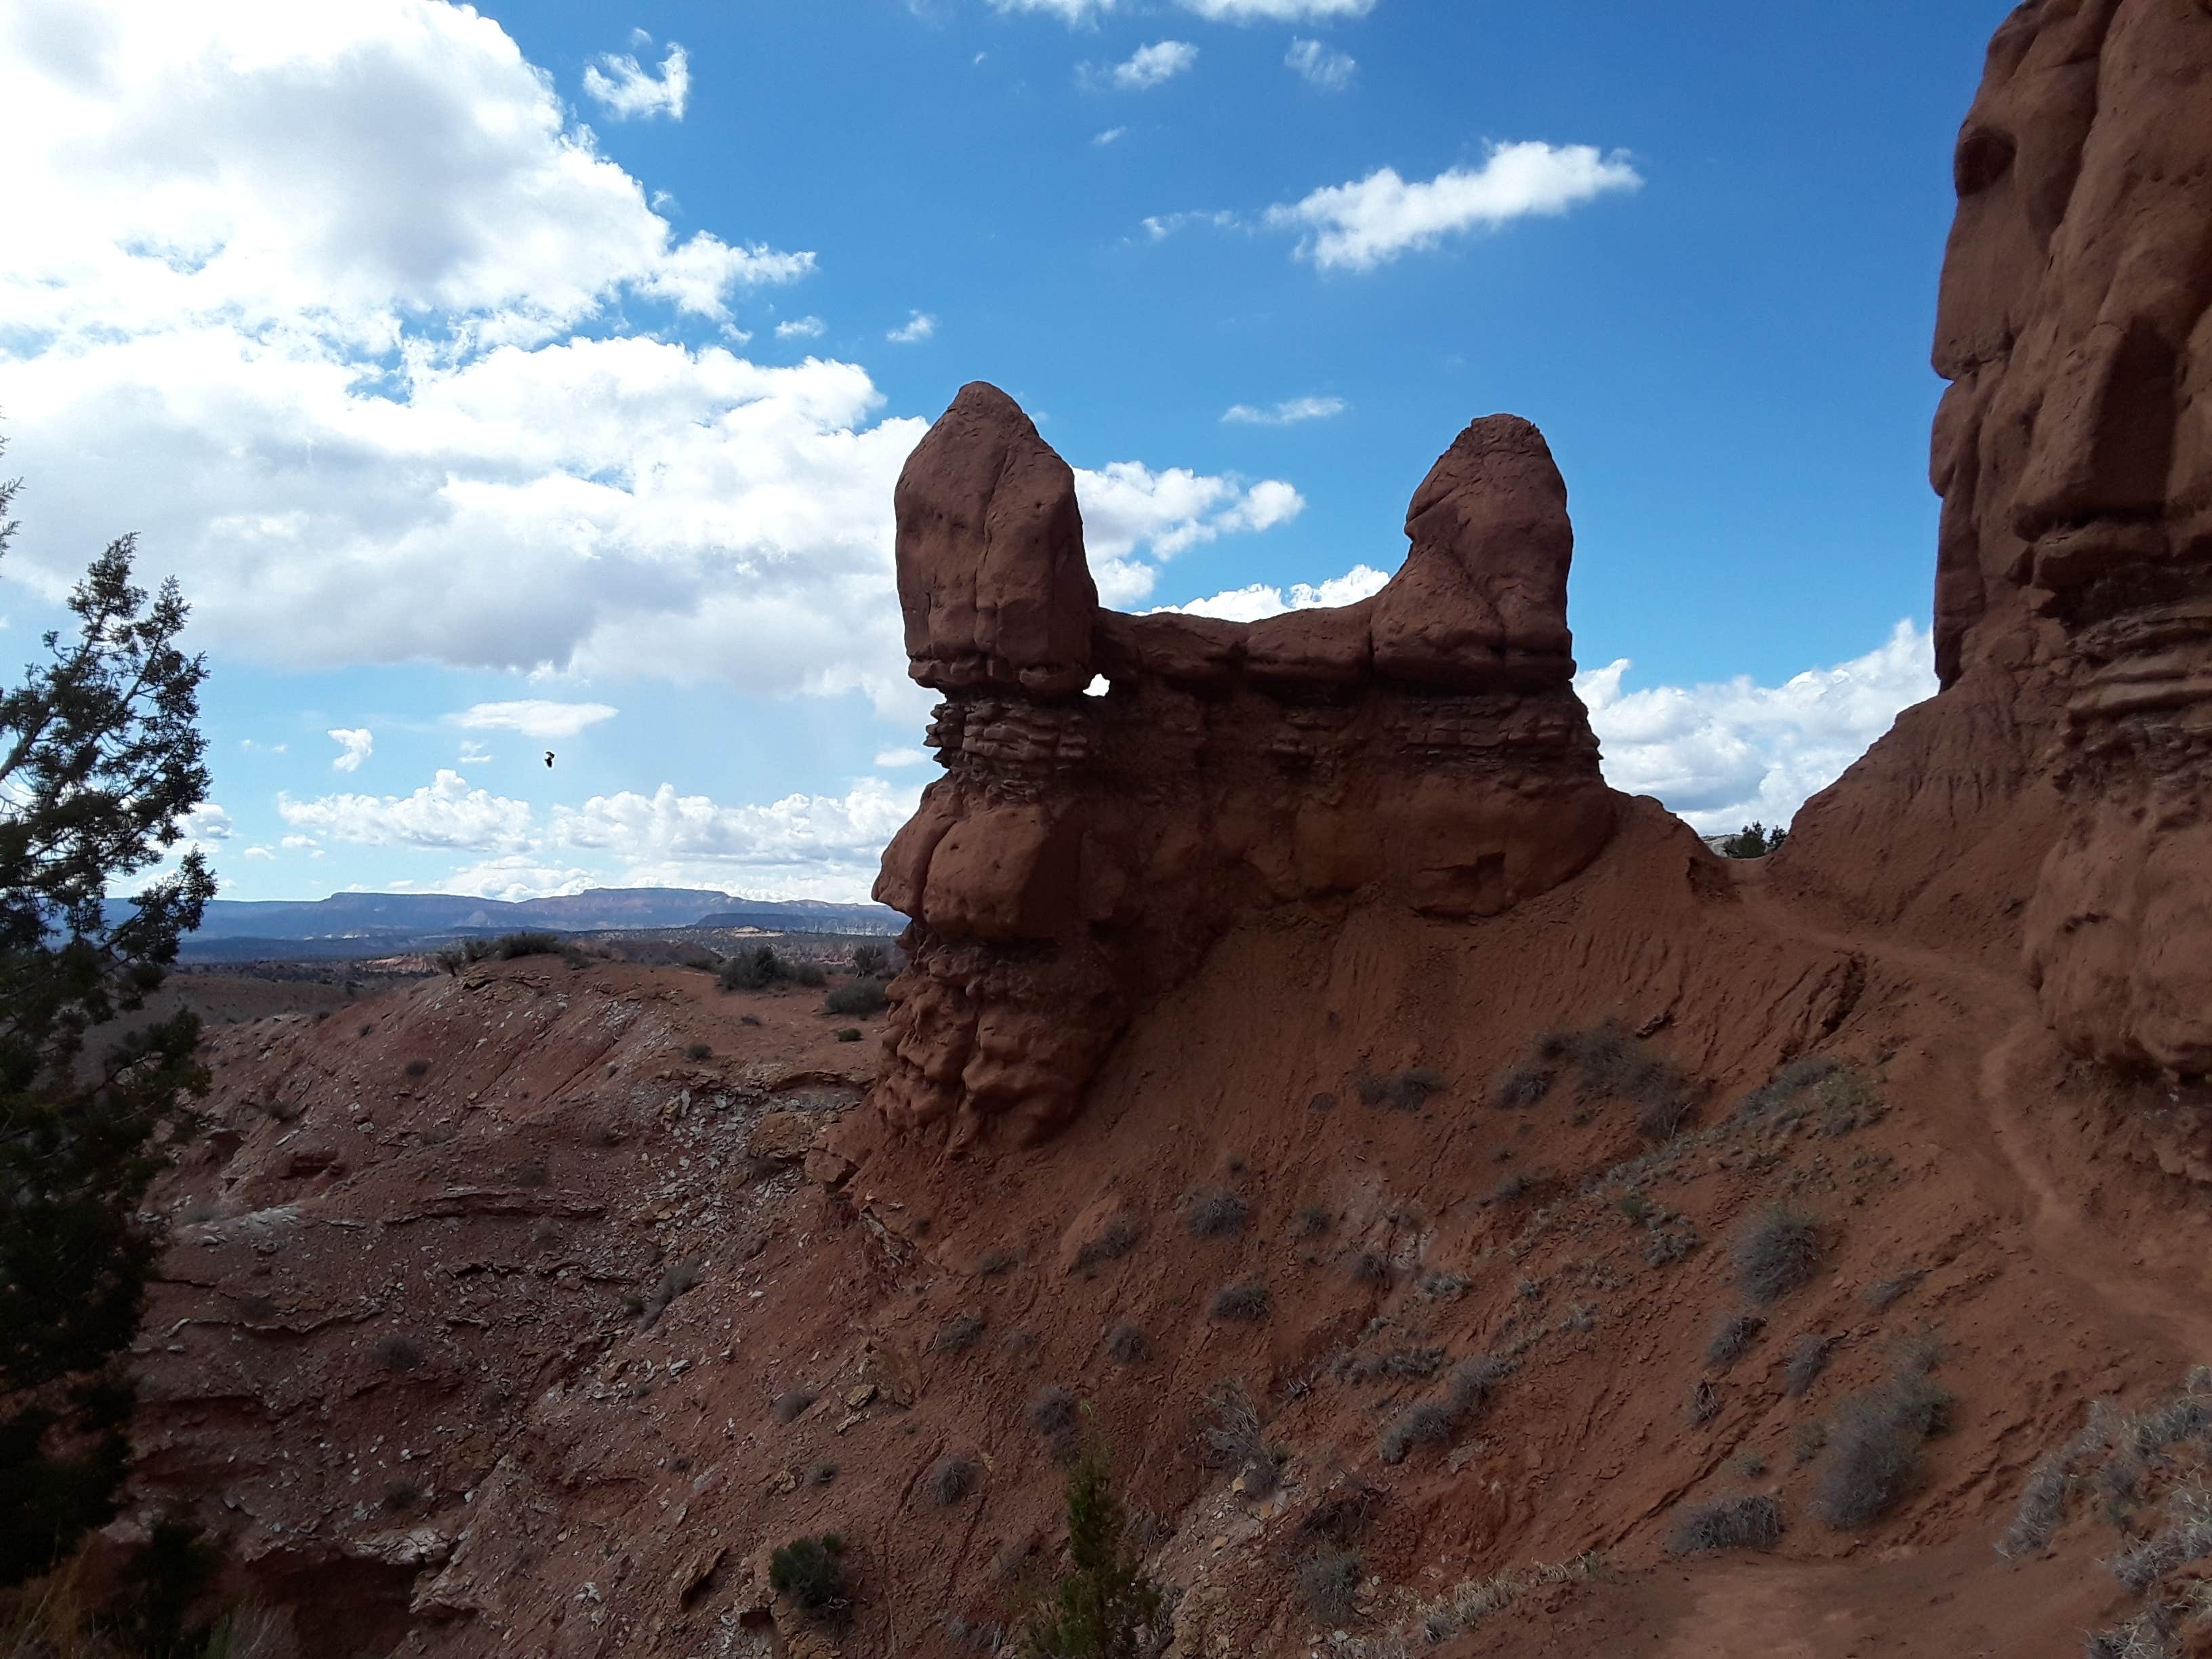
[1775, 1252]
[1753, 841]
[993, 1262]
[847, 1034]
[397, 1353]
[1127, 1343]
[681, 1276]
[509, 947]
[1733, 1335]
[1512, 1188]
[1236, 1438]
[1442, 1285]
[1874, 1449]
[401, 1493]
[1246, 1301]
[1329, 1579]
[742, 1019]
[1428, 1424]
[1406, 1092]
[2186, 1538]
[758, 969]
[1886, 1292]
[871, 961]
[1051, 1411]
[1474, 1381]
[1806, 1361]
[951, 1477]
[1313, 1220]
[810, 1573]
[1637, 1207]
[788, 1404]
[699, 1051]
[1518, 1087]
[1398, 1362]
[1744, 1522]
[1668, 1245]
[822, 1474]
[1118, 1236]
[1370, 1268]
[957, 1333]
[857, 997]
[416, 1067]
[1215, 1214]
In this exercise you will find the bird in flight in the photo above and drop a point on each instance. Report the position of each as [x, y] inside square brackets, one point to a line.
[549, 757]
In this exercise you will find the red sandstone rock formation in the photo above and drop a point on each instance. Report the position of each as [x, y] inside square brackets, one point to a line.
[1423, 747]
[2074, 580]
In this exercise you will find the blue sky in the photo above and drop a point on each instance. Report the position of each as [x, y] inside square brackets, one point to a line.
[534, 378]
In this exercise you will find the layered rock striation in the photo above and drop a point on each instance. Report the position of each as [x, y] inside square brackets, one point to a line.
[1423, 747]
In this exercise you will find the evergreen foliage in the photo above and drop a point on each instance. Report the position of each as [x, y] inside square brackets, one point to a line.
[100, 760]
[1104, 1600]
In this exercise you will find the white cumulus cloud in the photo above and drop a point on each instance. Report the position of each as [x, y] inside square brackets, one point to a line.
[919, 325]
[444, 814]
[811, 843]
[1284, 413]
[1276, 11]
[1260, 599]
[534, 717]
[1068, 11]
[800, 328]
[1111, 135]
[356, 744]
[1133, 517]
[896, 759]
[1372, 221]
[1154, 65]
[1721, 755]
[1322, 66]
[627, 92]
[333, 304]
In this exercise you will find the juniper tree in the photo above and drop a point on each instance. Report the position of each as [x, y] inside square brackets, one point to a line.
[1098, 1607]
[100, 760]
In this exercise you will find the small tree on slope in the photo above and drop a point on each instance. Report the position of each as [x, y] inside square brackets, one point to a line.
[100, 759]
[1103, 1600]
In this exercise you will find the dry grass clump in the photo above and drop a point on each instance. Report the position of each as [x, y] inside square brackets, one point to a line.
[1215, 1214]
[1127, 1343]
[1609, 1063]
[1775, 1251]
[1744, 1522]
[1370, 1268]
[1398, 1362]
[1432, 1422]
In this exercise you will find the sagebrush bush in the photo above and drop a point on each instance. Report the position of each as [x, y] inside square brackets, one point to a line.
[857, 998]
[1127, 1343]
[951, 1477]
[1329, 1578]
[1114, 1239]
[1744, 1522]
[1874, 1449]
[699, 1051]
[1519, 1087]
[1246, 1301]
[1215, 1214]
[1051, 1410]
[1775, 1251]
[397, 1353]
[417, 1067]
[1733, 1335]
[1235, 1436]
[871, 961]
[957, 1333]
[1370, 1268]
[762, 966]
[810, 1573]
[1428, 1424]
[1806, 1361]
